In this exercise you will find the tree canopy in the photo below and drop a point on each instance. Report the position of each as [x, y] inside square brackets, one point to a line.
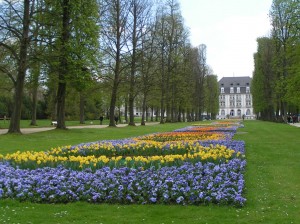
[82, 59]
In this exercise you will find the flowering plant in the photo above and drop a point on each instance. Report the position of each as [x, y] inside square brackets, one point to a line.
[194, 165]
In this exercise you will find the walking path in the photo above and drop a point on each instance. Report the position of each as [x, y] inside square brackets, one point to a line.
[34, 130]
[295, 124]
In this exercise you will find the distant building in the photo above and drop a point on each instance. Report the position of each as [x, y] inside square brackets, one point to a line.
[235, 99]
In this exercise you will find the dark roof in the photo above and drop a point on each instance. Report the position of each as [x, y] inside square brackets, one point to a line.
[241, 81]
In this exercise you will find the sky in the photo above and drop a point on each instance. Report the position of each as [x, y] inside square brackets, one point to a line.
[229, 29]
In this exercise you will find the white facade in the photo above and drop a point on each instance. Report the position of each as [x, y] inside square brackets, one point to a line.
[235, 99]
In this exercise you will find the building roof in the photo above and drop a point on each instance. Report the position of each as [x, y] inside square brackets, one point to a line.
[241, 81]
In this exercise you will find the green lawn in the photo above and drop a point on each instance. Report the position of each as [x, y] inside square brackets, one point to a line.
[47, 123]
[272, 181]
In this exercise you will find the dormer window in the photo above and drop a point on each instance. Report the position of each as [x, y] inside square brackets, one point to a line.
[247, 89]
[222, 89]
[231, 90]
[238, 90]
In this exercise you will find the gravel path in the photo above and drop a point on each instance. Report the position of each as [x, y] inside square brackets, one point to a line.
[34, 130]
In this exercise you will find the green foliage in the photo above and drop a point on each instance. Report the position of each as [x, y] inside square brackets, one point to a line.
[285, 20]
[164, 62]
[265, 79]
[5, 105]
[212, 95]
[276, 73]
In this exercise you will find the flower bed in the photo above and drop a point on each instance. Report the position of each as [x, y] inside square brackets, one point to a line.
[133, 156]
[159, 168]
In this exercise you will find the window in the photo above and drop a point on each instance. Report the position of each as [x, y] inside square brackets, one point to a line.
[222, 112]
[231, 90]
[238, 90]
[247, 89]
[222, 89]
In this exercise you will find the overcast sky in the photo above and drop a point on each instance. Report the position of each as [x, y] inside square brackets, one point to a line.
[229, 29]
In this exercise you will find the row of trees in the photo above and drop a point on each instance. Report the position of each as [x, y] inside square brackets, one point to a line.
[276, 78]
[82, 58]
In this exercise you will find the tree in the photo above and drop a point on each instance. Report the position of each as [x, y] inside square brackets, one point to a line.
[139, 22]
[113, 40]
[285, 20]
[171, 37]
[148, 69]
[199, 70]
[15, 20]
[35, 60]
[85, 52]
[72, 49]
[211, 95]
[264, 79]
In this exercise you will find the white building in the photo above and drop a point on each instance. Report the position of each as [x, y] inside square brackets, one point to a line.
[235, 99]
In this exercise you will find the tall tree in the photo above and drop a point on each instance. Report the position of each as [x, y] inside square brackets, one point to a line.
[85, 52]
[148, 69]
[36, 59]
[199, 69]
[170, 33]
[64, 64]
[174, 33]
[138, 25]
[114, 15]
[211, 95]
[72, 48]
[283, 17]
[264, 80]
[15, 20]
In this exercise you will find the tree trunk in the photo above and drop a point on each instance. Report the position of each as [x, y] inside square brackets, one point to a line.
[113, 105]
[35, 85]
[14, 126]
[162, 100]
[34, 105]
[53, 105]
[152, 110]
[81, 106]
[63, 72]
[131, 111]
[133, 68]
[61, 96]
[162, 112]
[117, 69]
[156, 114]
[125, 111]
[143, 110]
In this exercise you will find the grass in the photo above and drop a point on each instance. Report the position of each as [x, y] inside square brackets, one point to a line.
[48, 139]
[47, 123]
[4, 124]
[272, 181]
